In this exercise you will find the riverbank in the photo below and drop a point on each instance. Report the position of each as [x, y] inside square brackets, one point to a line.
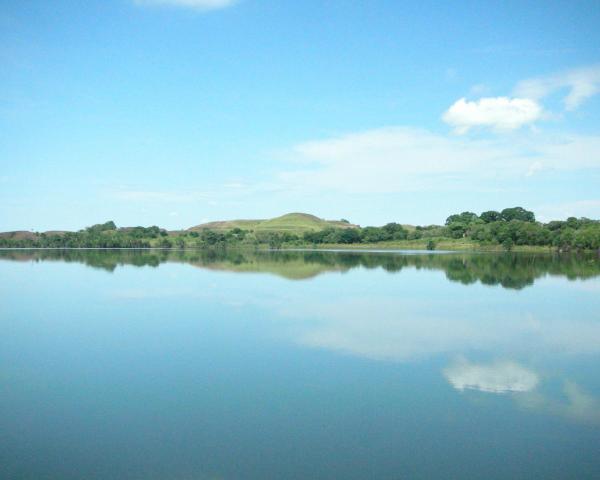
[423, 244]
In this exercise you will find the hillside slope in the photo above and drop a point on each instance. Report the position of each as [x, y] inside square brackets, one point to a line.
[292, 223]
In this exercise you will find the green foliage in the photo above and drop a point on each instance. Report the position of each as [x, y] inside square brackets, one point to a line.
[465, 218]
[102, 227]
[517, 213]
[490, 216]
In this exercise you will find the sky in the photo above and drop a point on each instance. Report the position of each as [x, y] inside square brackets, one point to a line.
[178, 112]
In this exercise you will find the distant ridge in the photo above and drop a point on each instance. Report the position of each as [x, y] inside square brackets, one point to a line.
[291, 223]
[296, 222]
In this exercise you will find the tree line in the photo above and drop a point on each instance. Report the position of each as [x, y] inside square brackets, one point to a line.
[510, 227]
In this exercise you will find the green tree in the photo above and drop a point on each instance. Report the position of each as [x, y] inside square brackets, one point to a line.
[490, 216]
[517, 213]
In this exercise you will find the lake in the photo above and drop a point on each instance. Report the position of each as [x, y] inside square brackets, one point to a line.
[197, 365]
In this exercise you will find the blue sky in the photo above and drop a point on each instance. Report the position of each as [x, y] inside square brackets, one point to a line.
[176, 112]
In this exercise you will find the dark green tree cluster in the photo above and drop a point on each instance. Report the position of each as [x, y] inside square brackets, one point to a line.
[517, 226]
[102, 227]
[105, 235]
[390, 231]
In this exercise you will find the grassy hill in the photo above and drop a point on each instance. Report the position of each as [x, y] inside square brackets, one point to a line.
[18, 235]
[297, 223]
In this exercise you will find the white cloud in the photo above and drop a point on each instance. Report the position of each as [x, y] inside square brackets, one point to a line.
[195, 4]
[581, 83]
[497, 377]
[499, 113]
[523, 107]
[401, 159]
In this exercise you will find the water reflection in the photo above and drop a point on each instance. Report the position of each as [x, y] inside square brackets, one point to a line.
[496, 377]
[571, 401]
[514, 271]
[304, 357]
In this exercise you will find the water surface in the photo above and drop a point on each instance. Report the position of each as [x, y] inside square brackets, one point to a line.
[298, 365]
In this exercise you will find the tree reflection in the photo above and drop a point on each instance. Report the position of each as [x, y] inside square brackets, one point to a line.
[514, 271]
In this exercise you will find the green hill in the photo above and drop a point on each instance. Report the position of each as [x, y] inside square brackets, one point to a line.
[292, 223]
[226, 225]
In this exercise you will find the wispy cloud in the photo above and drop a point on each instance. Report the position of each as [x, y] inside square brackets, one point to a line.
[498, 113]
[580, 83]
[401, 159]
[194, 4]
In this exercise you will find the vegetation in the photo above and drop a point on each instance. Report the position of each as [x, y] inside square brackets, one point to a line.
[509, 229]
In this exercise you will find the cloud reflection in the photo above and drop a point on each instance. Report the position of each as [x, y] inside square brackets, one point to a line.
[497, 377]
[572, 402]
[381, 328]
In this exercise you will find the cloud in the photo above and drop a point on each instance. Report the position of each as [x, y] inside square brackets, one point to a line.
[581, 83]
[195, 4]
[402, 159]
[523, 107]
[499, 113]
[497, 377]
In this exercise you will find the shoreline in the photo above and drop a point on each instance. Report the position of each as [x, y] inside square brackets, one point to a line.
[400, 247]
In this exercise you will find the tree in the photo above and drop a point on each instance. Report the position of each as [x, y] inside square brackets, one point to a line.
[465, 218]
[349, 235]
[374, 235]
[165, 243]
[457, 229]
[102, 227]
[517, 213]
[490, 216]
[395, 231]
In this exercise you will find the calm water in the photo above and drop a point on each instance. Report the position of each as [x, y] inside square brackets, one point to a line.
[298, 365]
